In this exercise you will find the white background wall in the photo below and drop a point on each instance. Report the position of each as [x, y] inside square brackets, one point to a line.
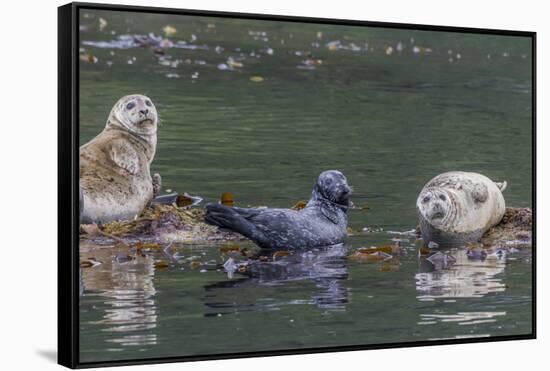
[28, 126]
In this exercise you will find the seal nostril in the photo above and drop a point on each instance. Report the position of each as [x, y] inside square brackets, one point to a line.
[144, 111]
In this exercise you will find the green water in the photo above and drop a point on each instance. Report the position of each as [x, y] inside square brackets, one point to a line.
[388, 121]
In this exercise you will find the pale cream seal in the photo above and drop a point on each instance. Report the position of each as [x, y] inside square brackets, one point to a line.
[115, 178]
[458, 207]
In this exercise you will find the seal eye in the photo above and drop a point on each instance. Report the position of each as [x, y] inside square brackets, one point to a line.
[130, 105]
[426, 199]
[148, 103]
[442, 197]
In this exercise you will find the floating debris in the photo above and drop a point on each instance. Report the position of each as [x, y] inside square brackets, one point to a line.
[90, 263]
[89, 58]
[373, 249]
[195, 75]
[172, 76]
[371, 257]
[230, 267]
[280, 254]
[232, 63]
[160, 264]
[256, 79]
[230, 249]
[399, 47]
[423, 251]
[389, 50]
[299, 205]
[333, 45]
[372, 229]
[102, 24]
[227, 199]
[169, 31]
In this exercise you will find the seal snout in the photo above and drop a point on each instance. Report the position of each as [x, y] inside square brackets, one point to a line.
[437, 212]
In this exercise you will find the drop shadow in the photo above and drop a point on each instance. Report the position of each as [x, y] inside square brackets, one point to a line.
[50, 355]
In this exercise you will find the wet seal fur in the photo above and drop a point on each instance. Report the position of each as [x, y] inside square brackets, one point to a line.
[115, 178]
[323, 222]
[458, 207]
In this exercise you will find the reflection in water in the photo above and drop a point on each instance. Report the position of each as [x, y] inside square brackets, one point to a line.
[129, 307]
[463, 278]
[324, 268]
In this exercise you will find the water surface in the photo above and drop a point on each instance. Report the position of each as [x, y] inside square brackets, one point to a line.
[324, 97]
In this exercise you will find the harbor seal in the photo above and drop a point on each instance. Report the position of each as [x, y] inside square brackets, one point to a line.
[322, 222]
[115, 180]
[458, 207]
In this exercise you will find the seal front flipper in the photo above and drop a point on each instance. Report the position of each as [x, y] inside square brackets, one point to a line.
[157, 182]
[226, 217]
[125, 156]
[480, 192]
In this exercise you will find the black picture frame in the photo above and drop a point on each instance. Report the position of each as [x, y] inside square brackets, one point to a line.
[68, 182]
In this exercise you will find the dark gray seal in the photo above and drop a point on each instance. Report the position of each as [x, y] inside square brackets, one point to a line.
[322, 222]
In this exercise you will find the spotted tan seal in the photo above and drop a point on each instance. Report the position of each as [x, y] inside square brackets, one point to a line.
[115, 178]
[458, 207]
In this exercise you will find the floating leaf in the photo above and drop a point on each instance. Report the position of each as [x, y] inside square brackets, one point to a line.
[89, 58]
[365, 207]
[169, 31]
[423, 251]
[230, 248]
[280, 254]
[91, 262]
[375, 256]
[371, 250]
[194, 264]
[256, 79]
[242, 269]
[161, 264]
[227, 199]
[299, 205]
[233, 63]
[187, 200]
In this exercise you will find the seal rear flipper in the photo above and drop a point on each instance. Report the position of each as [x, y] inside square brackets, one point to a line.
[502, 185]
[226, 217]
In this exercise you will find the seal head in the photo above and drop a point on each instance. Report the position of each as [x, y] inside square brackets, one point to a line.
[135, 113]
[330, 193]
[436, 206]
